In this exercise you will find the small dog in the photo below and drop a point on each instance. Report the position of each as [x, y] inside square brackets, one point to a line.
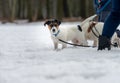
[73, 34]
[93, 29]
[116, 38]
[88, 25]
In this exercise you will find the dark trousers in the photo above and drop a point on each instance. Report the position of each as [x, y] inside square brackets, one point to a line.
[113, 19]
[102, 16]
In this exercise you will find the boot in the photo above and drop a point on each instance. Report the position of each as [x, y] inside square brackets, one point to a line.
[103, 43]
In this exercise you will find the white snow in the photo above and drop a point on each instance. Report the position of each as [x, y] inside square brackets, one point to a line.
[27, 56]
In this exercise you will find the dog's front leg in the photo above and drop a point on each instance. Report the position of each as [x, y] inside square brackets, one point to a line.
[55, 45]
[64, 46]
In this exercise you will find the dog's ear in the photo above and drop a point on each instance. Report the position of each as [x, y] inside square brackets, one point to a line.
[58, 21]
[47, 22]
[79, 28]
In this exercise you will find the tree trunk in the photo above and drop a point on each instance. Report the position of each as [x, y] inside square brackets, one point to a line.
[66, 8]
[60, 9]
[83, 8]
[13, 10]
[29, 10]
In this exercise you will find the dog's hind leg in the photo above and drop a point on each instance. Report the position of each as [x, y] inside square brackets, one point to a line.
[95, 43]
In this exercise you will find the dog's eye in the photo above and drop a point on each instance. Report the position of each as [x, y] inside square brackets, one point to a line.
[51, 25]
[55, 25]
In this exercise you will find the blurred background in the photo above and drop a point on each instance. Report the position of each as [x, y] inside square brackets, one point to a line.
[37, 10]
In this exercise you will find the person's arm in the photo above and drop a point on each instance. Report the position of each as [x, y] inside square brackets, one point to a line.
[96, 5]
[103, 2]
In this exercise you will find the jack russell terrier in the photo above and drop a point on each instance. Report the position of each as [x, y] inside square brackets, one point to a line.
[93, 29]
[73, 34]
[116, 38]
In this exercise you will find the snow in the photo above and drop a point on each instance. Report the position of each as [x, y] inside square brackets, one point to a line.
[27, 56]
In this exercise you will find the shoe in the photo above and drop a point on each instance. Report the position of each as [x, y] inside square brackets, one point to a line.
[103, 43]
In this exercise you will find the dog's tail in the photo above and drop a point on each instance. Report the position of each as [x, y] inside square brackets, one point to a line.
[88, 19]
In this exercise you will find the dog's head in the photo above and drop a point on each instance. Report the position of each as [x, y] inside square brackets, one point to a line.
[118, 33]
[53, 25]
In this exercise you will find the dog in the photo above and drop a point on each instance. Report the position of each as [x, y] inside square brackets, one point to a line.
[88, 25]
[93, 29]
[116, 38]
[73, 34]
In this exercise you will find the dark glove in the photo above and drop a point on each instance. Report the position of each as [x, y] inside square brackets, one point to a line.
[102, 3]
[103, 43]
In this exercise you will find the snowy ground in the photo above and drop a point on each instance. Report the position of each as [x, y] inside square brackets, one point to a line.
[27, 56]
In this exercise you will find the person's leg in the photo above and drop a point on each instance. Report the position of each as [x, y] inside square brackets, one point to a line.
[103, 16]
[111, 23]
[113, 20]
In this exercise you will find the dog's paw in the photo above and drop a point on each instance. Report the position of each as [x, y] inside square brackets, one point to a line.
[57, 50]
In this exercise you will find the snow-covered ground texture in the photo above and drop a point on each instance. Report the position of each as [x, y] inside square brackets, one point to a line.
[27, 56]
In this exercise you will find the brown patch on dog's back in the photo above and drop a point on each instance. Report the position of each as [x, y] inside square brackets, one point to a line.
[92, 25]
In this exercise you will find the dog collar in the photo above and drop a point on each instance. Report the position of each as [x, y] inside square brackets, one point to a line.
[57, 33]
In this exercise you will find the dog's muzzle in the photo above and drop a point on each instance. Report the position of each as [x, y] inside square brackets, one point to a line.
[54, 30]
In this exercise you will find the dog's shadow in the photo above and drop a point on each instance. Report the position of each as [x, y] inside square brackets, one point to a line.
[67, 48]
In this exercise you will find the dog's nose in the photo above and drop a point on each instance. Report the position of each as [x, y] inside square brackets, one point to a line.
[53, 30]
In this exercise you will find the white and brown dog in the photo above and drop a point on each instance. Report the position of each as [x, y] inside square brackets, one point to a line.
[73, 34]
[93, 29]
[116, 38]
[88, 25]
